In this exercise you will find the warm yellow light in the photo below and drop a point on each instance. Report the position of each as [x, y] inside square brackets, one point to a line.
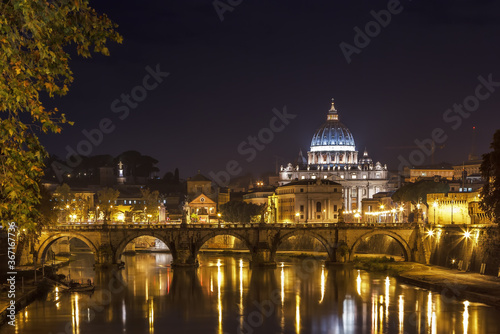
[218, 215]
[418, 206]
[435, 204]
[382, 206]
[401, 209]
[467, 234]
[430, 233]
[297, 214]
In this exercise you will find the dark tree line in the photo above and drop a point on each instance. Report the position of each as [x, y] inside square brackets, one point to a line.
[240, 212]
[417, 192]
[490, 171]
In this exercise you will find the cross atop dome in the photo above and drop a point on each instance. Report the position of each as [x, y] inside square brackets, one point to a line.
[332, 113]
[332, 108]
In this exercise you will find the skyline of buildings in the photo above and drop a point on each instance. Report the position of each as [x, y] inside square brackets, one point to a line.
[334, 183]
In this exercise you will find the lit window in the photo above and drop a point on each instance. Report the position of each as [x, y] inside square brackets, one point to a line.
[314, 177]
[354, 176]
[364, 176]
[303, 177]
[325, 177]
[341, 176]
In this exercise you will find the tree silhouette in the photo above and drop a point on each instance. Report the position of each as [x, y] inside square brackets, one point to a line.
[490, 171]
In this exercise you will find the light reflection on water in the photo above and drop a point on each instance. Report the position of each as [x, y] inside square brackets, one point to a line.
[224, 295]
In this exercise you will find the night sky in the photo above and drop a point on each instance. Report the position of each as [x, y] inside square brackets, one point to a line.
[225, 78]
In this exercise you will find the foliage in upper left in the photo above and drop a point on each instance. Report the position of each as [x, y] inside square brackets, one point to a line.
[34, 38]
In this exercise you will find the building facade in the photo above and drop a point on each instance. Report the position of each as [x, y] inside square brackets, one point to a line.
[306, 201]
[456, 208]
[333, 156]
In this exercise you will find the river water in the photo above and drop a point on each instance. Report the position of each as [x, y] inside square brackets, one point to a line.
[224, 295]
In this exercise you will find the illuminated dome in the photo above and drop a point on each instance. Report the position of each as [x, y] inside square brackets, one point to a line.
[333, 143]
[332, 135]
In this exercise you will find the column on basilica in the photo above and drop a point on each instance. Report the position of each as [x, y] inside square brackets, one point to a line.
[359, 197]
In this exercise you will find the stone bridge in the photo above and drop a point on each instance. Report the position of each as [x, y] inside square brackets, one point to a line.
[185, 240]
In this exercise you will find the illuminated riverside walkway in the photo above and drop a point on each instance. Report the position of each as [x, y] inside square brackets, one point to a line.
[108, 241]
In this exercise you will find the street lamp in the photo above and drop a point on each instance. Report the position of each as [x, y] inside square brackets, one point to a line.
[297, 215]
[418, 211]
[452, 211]
[218, 218]
[324, 213]
[435, 206]
[357, 215]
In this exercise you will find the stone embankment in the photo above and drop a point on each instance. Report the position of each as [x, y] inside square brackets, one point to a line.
[454, 284]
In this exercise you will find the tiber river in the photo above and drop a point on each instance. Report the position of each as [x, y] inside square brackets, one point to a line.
[225, 296]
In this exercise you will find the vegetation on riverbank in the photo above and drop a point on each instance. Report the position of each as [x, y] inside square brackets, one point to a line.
[384, 264]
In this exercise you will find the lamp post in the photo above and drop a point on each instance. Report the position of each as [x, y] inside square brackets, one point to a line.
[435, 205]
[418, 211]
[297, 215]
[452, 211]
[218, 218]
[324, 213]
[381, 208]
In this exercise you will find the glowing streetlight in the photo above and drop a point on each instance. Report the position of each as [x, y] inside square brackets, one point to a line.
[467, 234]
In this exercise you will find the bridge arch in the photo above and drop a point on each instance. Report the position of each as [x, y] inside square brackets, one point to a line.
[400, 240]
[123, 243]
[200, 242]
[45, 245]
[310, 234]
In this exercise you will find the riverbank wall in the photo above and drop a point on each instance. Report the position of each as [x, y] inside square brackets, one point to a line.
[471, 248]
[22, 299]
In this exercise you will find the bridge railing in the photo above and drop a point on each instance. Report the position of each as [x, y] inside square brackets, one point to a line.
[225, 225]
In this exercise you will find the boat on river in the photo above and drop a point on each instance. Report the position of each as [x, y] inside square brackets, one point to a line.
[72, 286]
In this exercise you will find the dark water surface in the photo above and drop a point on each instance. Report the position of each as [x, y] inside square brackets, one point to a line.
[225, 296]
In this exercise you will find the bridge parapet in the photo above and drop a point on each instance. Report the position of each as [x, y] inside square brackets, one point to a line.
[115, 226]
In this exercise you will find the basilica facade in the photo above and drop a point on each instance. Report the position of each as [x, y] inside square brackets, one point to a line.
[333, 156]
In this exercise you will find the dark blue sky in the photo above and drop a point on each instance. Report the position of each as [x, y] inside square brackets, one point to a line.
[225, 77]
